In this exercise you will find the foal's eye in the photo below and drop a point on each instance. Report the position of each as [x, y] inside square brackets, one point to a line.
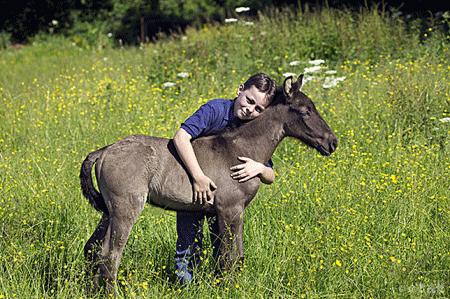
[304, 112]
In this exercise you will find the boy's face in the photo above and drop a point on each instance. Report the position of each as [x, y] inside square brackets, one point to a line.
[250, 103]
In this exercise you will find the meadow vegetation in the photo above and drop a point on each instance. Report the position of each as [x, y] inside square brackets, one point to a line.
[371, 221]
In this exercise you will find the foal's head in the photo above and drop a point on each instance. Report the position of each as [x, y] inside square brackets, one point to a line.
[304, 121]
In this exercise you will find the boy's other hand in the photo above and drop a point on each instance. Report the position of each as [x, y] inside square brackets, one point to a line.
[246, 171]
[203, 187]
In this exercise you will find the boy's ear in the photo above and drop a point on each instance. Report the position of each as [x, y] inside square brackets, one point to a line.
[240, 89]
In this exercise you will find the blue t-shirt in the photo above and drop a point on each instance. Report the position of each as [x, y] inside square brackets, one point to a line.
[211, 117]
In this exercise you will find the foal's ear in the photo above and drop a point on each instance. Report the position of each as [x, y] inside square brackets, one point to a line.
[300, 82]
[287, 86]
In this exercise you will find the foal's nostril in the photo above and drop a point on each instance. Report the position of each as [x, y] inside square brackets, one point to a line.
[334, 145]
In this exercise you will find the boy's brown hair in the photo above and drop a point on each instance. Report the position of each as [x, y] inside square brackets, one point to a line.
[263, 83]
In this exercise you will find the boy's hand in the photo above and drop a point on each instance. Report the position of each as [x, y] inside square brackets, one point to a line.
[203, 187]
[246, 171]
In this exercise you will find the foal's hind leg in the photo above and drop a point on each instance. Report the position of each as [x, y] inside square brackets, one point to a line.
[123, 218]
[93, 251]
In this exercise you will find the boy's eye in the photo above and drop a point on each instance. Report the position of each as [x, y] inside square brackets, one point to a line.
[251, 101]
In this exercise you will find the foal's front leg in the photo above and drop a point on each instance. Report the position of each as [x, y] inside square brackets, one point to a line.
[231, 225]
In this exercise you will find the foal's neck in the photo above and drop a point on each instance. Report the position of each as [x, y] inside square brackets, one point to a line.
[259, 138]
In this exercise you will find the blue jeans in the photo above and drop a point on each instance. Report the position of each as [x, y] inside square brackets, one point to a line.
[189, 242]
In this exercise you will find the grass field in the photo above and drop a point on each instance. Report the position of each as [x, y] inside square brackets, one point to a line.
[371, 221]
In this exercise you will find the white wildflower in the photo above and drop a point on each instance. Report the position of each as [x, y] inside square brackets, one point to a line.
[110, 34]
[445, 120]
[169, 84]
[309, 78]
[332, 81]
[317, 61]
[55, 22]
[294, 62]
[329, 84]
[242, 9]
[231, 20]
[312, 69]
[183, 75]
[331, 72]
[249, 23]
[289, 74]
[263, 32]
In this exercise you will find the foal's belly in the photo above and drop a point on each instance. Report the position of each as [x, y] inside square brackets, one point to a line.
[171, 189]
[176, 204]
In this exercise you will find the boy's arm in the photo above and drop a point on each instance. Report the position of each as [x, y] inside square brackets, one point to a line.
[201, 183]
[249, 169]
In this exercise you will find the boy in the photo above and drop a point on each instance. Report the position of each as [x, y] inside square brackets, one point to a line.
[252, 99]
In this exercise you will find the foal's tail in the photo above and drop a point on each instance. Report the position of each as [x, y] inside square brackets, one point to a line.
[95, 198]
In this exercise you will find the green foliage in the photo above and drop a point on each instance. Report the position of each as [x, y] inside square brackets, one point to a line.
[5, 39]
[369, 221]
[88, 19]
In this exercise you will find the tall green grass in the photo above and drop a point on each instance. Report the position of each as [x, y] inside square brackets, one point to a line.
[371, 221]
